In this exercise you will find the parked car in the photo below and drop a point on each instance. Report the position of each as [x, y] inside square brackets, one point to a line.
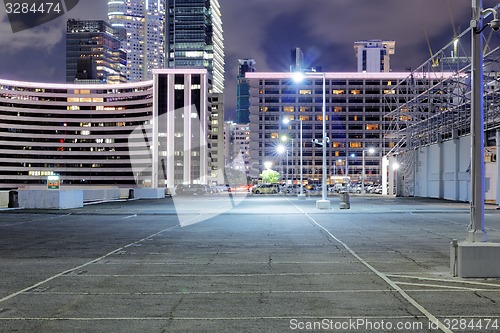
[378, 189]
[191, 189]
[221, 188]
[239, 188]
[294, 189]
[266, 189]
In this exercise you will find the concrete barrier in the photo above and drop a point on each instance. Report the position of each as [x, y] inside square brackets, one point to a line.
[149, 193]
[4, 199]
[50, 199]
[101, 194]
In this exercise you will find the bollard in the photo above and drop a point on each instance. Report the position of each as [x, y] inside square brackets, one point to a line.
[454, 258]
[131, 193]
[344, 200]
[13, 199]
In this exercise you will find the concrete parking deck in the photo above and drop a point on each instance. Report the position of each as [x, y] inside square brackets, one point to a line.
[253, 264]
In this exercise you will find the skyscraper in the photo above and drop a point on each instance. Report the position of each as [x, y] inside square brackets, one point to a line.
[243, 92]
[143, 21]
[374, 55]
[194, 37]
[296, 59]
[94, 53]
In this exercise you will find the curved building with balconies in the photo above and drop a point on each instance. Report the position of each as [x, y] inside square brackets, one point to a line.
[80, 132]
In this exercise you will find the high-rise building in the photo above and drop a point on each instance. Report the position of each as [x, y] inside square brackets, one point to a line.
[194, 37]
[243, 91]
[194, 40]
[217, 137]
[237, 146]
[143, 21]
[94, 53]
[374, 55]
[296, 60]
[355, 121]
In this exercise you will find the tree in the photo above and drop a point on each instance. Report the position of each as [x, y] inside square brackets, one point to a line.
[270, 176]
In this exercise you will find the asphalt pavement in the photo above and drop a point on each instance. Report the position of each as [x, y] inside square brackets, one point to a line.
[243, 263]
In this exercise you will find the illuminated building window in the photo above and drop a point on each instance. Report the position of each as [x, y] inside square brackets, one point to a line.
[372, 127]
[355, 144]
[338, 91]
[355, 92]
[320, 117]
[274, 135]
[304, 118]
[305, 92]
[288, 109]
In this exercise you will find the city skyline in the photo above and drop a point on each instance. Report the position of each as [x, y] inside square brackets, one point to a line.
[266, 35]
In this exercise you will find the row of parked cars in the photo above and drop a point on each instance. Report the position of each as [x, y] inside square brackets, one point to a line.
[201, 189]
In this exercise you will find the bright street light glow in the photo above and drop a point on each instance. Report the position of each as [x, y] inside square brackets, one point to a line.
[298, 77]
[280, 149]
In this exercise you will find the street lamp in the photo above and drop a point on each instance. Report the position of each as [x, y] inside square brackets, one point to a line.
[324, 203]
[284, 139]
[363, 173]
[301, 193]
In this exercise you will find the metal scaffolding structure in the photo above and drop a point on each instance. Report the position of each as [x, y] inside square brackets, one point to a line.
[432, 104]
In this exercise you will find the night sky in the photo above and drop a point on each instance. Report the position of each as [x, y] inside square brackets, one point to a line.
[266, 30]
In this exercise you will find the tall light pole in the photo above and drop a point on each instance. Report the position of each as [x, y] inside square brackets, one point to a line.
[284, 139]
[476, 227]
[324, 203]
[301, 193]
[281, 149]
[363, 173]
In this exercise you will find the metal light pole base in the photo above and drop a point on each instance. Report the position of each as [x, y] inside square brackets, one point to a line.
[301, 196]
[476, 236]
[323, 204]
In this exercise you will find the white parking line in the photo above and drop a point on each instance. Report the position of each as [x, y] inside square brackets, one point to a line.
[36, 285]
[424, 311]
